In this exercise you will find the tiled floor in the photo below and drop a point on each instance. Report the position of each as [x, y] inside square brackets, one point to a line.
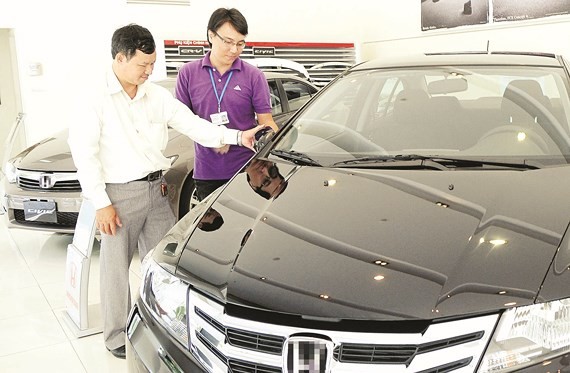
[35, 336]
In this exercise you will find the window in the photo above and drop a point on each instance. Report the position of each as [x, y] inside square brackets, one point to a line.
[276, 107]
[297, 93]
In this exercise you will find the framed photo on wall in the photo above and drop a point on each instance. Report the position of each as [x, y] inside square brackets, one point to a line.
[517, 10]
[438, 14]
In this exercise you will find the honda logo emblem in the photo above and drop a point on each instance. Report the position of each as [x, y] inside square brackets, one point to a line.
[46, 181]
[306, 354]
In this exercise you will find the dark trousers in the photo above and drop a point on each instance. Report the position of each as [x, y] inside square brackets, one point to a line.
[205, 187]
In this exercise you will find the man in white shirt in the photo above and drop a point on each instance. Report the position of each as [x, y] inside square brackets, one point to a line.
[117, 148]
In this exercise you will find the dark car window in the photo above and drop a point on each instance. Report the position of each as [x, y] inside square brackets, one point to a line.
[297, 93]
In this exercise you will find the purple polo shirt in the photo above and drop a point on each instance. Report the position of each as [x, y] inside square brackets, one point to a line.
[247, 93]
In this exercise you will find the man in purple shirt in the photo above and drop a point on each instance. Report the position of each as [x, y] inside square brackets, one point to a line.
[224, 90]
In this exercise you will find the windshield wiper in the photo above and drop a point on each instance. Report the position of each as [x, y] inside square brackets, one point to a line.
[296, 157]
[431, 161]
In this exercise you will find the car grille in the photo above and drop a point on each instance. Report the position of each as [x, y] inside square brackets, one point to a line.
[237, 366]
[48, 182]
[244, 339]
[400, 354]
[64, 220]
[245, 346]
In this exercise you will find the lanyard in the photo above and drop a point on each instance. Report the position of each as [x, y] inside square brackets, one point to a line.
[219, 97]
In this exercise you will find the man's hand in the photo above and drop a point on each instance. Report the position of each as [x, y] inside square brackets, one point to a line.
[248, 137]
[107, 220]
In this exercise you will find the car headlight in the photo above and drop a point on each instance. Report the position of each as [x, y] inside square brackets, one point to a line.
[528, 335]
[165, 297]
[10, 172]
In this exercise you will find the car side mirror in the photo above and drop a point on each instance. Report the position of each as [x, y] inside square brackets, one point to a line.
[262, 137]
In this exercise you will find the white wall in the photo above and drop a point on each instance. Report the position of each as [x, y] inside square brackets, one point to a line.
[399, 32]
[9, 105]
[71, 38]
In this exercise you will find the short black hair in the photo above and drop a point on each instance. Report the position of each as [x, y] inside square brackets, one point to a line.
[282, 186]
[130, 38]
[215, 224]
[223, 15]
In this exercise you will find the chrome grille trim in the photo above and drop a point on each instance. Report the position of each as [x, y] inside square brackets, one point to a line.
[396, 354]
[237, 366]
[209, 320]
[245, 339]
[63, 181]
[449, 367]
[444, 347]
[255, 341]
[370, 354]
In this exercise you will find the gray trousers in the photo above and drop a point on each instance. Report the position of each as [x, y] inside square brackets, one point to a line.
[146, 217]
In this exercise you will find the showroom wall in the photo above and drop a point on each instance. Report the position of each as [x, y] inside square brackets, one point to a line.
[402, 33]
[62, 44]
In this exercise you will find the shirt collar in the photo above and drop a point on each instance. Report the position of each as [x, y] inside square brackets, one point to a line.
[114, 86]
[237, 65]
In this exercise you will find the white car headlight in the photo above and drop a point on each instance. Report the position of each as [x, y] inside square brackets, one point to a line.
[165, 296]
[10, 172]
[528, 335]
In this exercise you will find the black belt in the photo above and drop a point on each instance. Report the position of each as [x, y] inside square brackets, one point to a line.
[151, 177]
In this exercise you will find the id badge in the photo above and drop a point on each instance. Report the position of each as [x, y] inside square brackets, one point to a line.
[220, 118]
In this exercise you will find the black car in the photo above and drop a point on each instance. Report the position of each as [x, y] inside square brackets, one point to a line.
[411, 217]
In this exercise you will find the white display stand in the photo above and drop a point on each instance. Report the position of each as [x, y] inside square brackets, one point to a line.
[82, 318]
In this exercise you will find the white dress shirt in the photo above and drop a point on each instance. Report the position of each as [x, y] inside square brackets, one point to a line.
[116, 139]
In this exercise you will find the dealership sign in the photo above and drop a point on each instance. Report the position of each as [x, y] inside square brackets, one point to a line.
[184, 50]
[77, 314]
[263, 51]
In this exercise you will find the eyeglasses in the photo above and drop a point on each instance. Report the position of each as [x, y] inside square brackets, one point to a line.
[230, 43]
[273, 173]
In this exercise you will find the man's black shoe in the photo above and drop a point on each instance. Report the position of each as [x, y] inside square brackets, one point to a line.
[119, 352]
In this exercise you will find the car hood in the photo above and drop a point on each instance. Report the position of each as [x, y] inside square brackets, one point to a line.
[381, 244]
[51, 154]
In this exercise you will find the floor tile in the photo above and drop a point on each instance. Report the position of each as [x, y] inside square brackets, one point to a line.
[60, 357]
[47, 261]
[23, 302]
[95, 356]
[37, 334]
[54, 294]
[15, 274]
[25, 333]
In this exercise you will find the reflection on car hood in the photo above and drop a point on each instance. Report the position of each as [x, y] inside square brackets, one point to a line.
[383, 244]
[52, 155]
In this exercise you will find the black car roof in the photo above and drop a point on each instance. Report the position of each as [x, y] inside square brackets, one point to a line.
[465, 58]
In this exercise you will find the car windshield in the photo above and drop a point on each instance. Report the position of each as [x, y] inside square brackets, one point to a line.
[511, 114]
